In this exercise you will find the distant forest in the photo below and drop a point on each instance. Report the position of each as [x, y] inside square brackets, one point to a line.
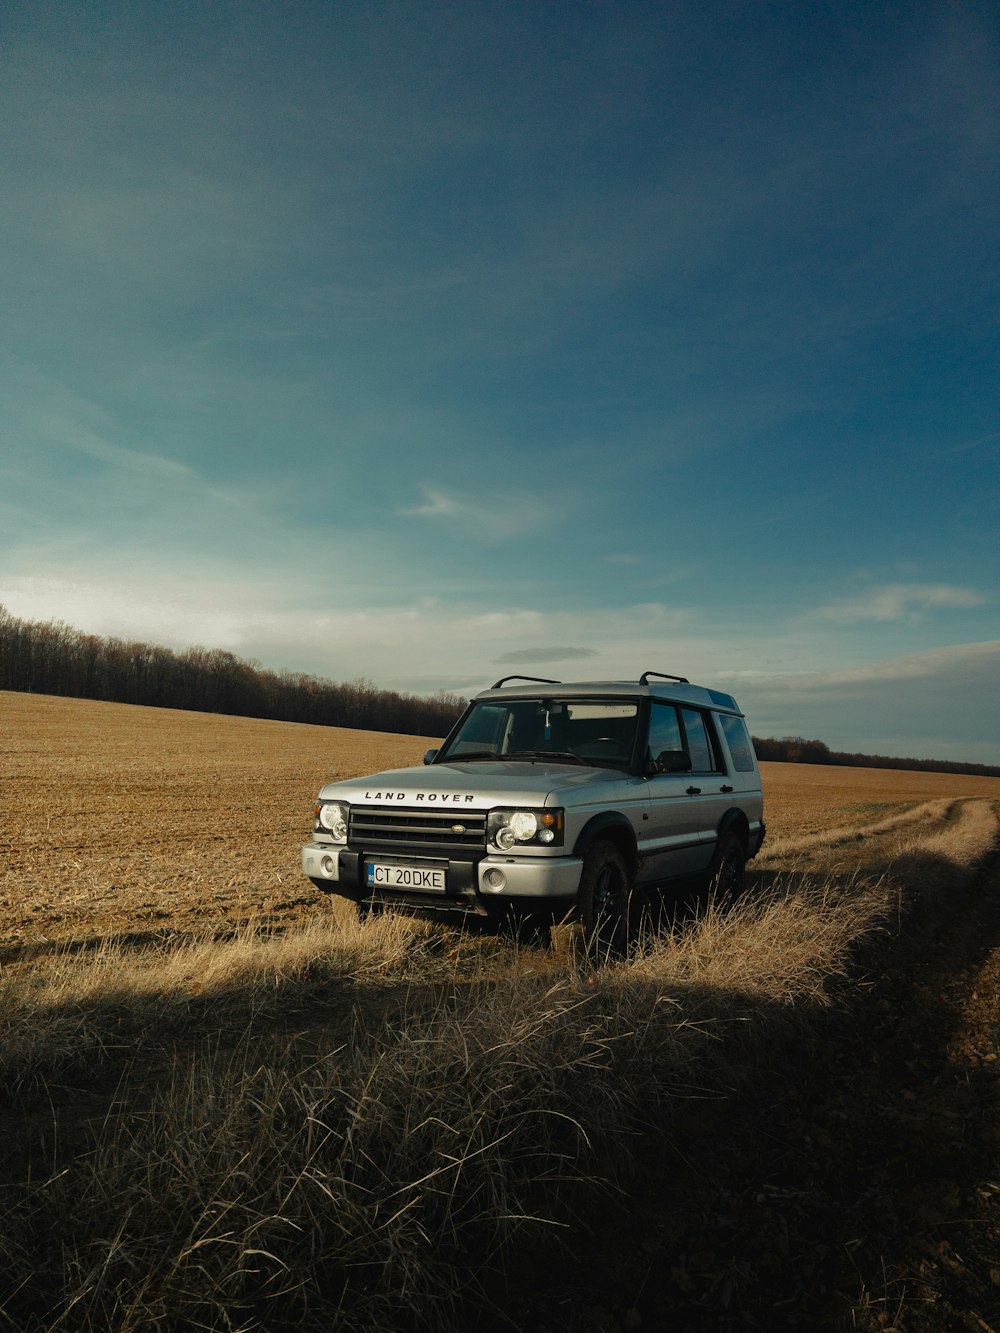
[50, 657]
[795, 750]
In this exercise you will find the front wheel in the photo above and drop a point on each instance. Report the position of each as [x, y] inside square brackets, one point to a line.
[602, 904]
[727, 871]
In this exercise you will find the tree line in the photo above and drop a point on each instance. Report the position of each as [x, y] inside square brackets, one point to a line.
[797, 750]
[51, 657]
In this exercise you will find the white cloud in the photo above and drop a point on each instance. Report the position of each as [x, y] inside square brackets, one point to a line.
[129, 609]
[394, 645]
[901, 601]
[939, 704]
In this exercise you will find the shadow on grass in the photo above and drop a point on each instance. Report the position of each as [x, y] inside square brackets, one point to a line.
[846, 1188]
[609, 1141]
[376, 1188]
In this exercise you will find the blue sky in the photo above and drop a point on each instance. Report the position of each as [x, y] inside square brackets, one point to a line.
[430, 342]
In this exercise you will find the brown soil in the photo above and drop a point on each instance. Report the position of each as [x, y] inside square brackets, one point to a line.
[805, 799]
[116, 819]
[855, 1185]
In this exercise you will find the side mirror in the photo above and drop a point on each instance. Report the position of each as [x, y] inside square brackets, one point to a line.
[673, 761]
[430, 756]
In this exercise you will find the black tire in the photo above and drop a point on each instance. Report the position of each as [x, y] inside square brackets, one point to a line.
[602, 904]
[727, 871]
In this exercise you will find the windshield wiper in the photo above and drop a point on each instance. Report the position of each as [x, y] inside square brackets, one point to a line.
[473, 754]
[554, 756]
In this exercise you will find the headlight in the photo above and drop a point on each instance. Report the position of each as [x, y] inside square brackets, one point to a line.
[510, 828]
[524, 825]
[331, 817]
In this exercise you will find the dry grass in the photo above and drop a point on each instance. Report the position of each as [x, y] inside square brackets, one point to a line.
[781, 947]
[270, 1182]
[68, 1012]
[293, 1119]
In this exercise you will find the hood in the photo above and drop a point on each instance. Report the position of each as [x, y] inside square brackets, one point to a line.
[480, 785]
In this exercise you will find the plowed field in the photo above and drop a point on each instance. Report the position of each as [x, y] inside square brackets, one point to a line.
[122, 819]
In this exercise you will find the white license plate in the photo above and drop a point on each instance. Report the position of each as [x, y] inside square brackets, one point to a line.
[404, 877]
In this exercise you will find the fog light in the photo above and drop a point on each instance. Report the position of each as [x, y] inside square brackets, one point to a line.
[495, 879]
[328, 865]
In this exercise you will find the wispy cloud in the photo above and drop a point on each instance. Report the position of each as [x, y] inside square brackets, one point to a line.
[436, 505]
[505, 516]
[991, 441]
[545, 655]
[42, 412]
[934, 703]
[938, 662]
[902, 601]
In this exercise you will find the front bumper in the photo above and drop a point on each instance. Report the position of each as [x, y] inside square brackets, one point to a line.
[493, 878]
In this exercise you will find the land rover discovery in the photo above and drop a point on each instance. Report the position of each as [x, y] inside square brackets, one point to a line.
[562, 796]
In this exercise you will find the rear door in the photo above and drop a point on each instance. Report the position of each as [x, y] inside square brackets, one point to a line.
[710, 788]
[744, 774]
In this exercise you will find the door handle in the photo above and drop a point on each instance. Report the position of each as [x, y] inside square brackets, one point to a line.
[725, 789]
[694, 791]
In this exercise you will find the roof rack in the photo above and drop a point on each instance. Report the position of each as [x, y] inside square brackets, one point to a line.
[540, 680]
[644, 678]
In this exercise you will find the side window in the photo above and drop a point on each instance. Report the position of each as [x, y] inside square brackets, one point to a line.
[739, 743]
[699, 744]
[664, 730]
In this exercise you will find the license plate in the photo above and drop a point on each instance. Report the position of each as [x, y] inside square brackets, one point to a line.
[419, 879]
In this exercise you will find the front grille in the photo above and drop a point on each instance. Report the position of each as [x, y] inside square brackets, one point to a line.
[451, 831]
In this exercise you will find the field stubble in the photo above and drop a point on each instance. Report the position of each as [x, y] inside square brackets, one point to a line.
[236, 1107]
[123, 819]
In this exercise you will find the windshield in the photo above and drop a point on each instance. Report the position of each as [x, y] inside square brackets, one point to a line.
[572, 731]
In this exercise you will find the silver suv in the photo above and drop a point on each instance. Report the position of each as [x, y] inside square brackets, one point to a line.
[566, 797]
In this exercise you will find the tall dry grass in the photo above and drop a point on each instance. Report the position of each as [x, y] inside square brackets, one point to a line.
[72, 1010]
[271, 1159]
